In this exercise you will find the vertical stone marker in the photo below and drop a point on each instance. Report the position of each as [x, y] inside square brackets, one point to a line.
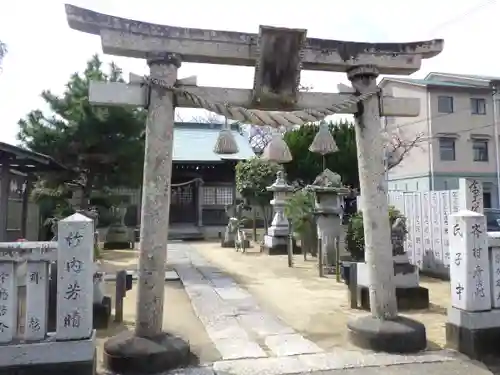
[495, 273]
[471, 195]
[37, 294]
[8, 302]
[473, 328]
[75, 269]
[469, 268]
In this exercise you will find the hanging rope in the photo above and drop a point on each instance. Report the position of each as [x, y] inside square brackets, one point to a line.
[259, 117]
[197, 179]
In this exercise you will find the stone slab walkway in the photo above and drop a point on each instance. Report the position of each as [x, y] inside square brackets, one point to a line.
[236, 324]
[253, 341]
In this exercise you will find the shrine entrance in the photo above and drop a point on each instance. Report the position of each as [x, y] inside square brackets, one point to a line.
[183, 203]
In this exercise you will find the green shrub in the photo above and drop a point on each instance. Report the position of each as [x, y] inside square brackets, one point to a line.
[355, 236]
[299, 210]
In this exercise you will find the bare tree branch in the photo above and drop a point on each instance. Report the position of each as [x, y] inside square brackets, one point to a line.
[209, 118]
[398, 147]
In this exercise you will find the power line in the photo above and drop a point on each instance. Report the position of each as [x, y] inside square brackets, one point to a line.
[461, 16]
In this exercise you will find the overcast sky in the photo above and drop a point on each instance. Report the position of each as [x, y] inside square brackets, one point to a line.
[44, 51]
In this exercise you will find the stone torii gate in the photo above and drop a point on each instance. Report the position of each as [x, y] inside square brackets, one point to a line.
[278, 55]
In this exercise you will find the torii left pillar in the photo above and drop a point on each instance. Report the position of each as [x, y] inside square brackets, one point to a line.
[149, 349]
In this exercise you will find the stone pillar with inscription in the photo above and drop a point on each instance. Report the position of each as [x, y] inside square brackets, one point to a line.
[471, 195]
[149, 349]
[473, 328]
[75, 270]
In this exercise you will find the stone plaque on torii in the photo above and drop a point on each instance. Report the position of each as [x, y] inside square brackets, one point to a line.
[278, 55]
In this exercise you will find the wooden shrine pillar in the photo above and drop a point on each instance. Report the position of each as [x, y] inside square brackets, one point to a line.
[25, 204]
[4, 199]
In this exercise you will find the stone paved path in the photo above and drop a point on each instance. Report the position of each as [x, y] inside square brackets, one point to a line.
[233, 319]
[252, 341]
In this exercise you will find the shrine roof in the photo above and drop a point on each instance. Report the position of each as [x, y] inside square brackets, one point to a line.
[473, 77]
[194, 142]
[26, 161]
[431, 83]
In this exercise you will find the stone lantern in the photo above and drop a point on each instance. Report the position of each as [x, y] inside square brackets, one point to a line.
[276, 239]
[329, 194]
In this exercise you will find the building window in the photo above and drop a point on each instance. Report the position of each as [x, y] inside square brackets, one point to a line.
[480, 150]
[447, 149]
[478, 106]
[445, 104]
[217, 196]
[487, 199]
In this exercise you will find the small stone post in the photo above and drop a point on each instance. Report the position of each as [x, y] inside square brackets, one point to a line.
[472, 326]
[393, 333]
[328, 191]
[149, 349]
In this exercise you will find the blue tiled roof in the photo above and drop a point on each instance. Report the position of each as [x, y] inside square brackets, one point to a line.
[435, 83]
[195, 142]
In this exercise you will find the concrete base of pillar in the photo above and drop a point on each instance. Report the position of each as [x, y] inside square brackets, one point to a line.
[73, 368]
[279, 245]
[401, 335]
[475, 334]
[407, 298]
[126, 353]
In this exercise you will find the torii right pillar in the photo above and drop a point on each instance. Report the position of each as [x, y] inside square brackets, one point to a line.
[384, 330]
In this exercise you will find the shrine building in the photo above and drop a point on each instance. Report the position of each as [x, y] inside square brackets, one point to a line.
[203, 182]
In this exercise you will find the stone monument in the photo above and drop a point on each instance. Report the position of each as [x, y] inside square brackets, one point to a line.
[275, 52]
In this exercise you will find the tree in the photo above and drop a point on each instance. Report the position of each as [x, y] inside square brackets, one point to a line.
[306, 165]
[3, 51]
[253, 176]
[101, 146]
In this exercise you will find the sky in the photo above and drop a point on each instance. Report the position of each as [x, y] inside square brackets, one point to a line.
[43, 51]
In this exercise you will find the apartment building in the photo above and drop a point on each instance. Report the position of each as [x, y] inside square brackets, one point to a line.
[459, 127]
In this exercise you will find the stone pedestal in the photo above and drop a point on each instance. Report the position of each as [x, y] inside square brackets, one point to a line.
[276, 239]
[409, 294]
[473, 326]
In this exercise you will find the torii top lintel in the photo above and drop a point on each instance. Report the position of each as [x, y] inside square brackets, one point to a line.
[131, 38]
